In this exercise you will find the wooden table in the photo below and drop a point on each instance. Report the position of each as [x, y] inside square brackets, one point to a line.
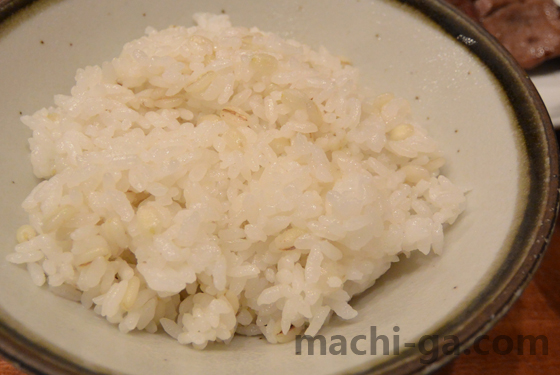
[537, 312]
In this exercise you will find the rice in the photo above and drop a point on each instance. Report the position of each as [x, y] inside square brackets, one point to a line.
[214, 180]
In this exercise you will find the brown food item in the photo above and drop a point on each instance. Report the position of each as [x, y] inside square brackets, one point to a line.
[529, 29]
[466, 6]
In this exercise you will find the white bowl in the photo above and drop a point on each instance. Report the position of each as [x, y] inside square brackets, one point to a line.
[470, 95]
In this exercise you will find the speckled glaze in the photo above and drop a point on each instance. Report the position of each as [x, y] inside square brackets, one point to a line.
[463, 87]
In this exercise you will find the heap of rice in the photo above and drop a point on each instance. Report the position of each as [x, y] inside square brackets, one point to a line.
[214, 180]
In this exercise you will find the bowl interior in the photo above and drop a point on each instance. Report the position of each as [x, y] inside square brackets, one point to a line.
[397, 49]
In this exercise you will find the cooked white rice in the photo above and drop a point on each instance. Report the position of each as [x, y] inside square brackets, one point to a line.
[214, 180]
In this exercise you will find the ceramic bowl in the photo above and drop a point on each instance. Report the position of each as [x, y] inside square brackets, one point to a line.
[463, 87]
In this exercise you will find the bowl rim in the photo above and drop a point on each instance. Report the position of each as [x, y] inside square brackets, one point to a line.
[529, 243]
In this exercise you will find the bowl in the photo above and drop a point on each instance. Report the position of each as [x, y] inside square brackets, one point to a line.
[463, 87]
